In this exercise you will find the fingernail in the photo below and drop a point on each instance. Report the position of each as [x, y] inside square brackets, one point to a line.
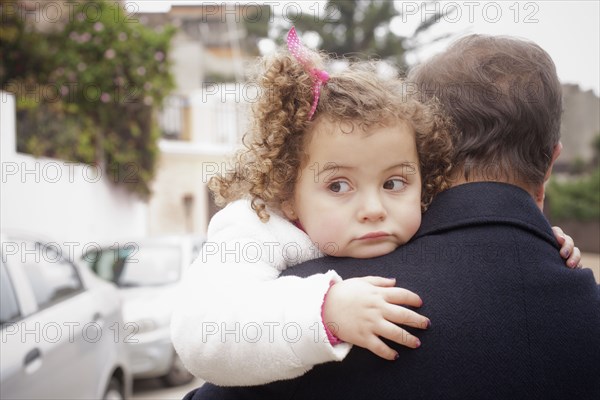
[397, 356]
[428, 323]
[572, 264]
[418, 344]
[566, 253]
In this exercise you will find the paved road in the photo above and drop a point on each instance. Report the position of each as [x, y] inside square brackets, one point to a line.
[153, 389]
[592, 261]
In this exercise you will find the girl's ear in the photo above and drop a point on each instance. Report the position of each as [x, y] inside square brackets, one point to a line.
[288, 210]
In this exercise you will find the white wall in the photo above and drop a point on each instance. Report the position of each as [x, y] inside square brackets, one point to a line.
[181, 172]
[60, 200]
[188, 65]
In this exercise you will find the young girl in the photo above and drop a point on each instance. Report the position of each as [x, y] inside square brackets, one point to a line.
[339, 165]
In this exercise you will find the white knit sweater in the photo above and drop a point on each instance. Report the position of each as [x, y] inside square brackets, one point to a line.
[236, 323]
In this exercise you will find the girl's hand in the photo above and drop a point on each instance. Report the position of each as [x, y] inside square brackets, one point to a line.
[568, 251]
[360, 310]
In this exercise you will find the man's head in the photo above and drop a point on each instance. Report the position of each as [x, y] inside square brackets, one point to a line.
[505, 99]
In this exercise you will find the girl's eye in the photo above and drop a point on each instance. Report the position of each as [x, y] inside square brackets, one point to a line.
[394, 184]
[339, 187]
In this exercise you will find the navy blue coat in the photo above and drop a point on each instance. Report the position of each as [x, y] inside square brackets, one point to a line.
[509, 319]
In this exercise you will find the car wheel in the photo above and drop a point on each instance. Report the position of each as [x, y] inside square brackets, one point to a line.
[114, 391]
[178, 375]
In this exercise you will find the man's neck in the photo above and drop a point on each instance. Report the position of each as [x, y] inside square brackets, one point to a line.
[537, 194]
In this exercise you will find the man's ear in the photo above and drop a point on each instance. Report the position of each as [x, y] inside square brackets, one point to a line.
[288, 210]
[555, 154]
[540, 192]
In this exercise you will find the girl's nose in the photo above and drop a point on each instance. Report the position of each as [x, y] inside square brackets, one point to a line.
[372, 209]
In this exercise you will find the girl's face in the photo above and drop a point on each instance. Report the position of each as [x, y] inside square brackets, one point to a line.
[359, 193]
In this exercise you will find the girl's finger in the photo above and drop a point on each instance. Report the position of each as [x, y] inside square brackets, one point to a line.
[558, 234]
[402, 296]
[404, 316]
[575, 260]
[378, 347]
[379, 281]
[567, 247]
[396, 334]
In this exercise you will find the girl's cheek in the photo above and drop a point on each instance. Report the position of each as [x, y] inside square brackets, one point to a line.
[331, 230]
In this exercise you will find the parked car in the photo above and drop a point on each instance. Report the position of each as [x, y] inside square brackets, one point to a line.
[147, 273]
[60, 327]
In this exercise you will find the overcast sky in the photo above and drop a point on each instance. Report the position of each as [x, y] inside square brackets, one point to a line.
[568, 31]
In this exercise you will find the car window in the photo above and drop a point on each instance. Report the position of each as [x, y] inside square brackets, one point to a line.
[9, 308]
[105, 263]
[152, 266]
[51, 276]
[146, 265]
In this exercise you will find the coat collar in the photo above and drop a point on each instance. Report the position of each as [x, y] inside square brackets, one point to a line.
[481, 203]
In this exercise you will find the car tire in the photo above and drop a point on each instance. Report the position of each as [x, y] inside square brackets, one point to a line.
[178, 375]
[114, 391]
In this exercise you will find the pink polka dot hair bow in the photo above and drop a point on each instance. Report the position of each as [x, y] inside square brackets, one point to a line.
[302, 55]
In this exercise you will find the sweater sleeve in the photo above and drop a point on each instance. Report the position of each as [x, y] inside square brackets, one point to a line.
[236, 323]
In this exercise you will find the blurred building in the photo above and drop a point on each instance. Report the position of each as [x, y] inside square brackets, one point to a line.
[580, 125]
[204, 119]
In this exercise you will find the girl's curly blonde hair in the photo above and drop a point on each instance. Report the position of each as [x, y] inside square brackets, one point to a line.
[266, 169]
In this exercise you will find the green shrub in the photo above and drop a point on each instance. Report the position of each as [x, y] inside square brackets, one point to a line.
[88, 88]
[578, 199]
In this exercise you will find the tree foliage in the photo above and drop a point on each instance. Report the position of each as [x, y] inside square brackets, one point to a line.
[578, 198]
[361, 29]
[88, 87]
